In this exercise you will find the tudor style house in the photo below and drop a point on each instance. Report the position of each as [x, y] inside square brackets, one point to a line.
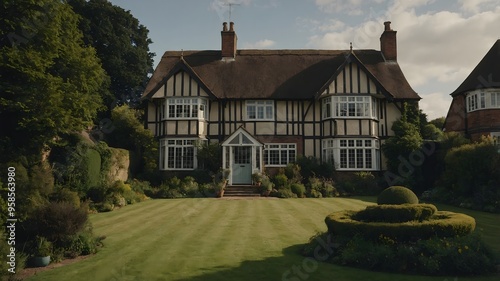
[475, 108]
[267, 107]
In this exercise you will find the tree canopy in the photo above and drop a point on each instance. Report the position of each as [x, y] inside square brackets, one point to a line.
[122, 44]
[50, 82]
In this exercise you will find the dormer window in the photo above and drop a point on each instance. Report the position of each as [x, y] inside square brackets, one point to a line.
[186, 108]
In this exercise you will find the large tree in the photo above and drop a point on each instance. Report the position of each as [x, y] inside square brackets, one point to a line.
[50, 82]
[122, 44]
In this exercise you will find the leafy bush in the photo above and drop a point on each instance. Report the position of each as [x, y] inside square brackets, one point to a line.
[318, 188]
[280, 181]
[470, 167]
[299, 189]
[396, 213]
[189, 187]
[57, 220]
[397, 195]
[66, 195]
[285, 193]
[441, 224]
[358, 183]
[293, 173]
[464, 255]
[92, 160]
[313, 167]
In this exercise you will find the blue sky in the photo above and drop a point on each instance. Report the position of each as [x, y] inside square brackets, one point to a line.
[439, 42]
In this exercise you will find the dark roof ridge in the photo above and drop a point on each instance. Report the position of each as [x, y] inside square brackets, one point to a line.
[259, 52]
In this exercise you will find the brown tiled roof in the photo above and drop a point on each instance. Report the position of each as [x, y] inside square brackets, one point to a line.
[485, 75]
[277, 74]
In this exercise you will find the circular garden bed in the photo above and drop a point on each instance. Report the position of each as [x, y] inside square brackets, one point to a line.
[401, 235]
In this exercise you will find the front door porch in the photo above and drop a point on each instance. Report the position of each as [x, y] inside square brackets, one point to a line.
[242, 156]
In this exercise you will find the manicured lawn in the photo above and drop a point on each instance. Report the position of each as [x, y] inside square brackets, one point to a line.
[213, 239]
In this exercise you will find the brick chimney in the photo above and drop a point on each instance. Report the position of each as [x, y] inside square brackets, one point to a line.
[388, 43]
[229, 39]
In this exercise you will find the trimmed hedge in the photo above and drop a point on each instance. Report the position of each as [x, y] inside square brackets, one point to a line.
[441, 224]
[397, 195]
[396, 213]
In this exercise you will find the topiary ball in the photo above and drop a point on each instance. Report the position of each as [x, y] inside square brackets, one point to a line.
[396, 195]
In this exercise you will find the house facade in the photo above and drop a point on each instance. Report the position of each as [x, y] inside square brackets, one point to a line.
[267, 107]
[475, 108]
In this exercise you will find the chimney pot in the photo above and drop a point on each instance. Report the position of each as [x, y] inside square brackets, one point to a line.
[387, 25]
[231, 26]
[224, 26]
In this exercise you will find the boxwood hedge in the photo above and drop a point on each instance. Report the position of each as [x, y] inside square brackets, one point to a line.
[441, 224]
[396, 213]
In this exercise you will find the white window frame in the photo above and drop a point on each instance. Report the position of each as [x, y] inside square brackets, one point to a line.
[186, 108]
[287, 153]
[482, 99]
[259, 110]
[175, 161]
[358, 154]
[349, 107]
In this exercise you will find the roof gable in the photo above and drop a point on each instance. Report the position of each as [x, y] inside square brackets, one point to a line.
[485, 75]
[171, 78]
[352, 77]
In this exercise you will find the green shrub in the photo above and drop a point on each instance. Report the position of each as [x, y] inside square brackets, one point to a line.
[299, 189]
[92, 158]
[57, 220]
[292, 172]
[396, 213]
[66, 195]
[139, 186]
[358, 183]
[189, 187]
[397, 195]
[441, 224]
[286, 193]
[105, 207]
[313, 167]
[318, 188]
[280, 181]
[206, 190]
[464, 255]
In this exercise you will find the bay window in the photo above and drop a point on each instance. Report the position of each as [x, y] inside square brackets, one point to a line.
[352, 154]
[482, 99]
[187, 108]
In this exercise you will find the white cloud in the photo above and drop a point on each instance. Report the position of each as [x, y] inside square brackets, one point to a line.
[351, 7]
[261, 44]
[475, 6]
[434, 48]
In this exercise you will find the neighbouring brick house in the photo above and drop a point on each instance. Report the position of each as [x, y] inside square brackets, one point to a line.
[475, 108]
[266, 107]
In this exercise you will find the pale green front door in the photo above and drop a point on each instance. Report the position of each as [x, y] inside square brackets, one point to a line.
[242, 165]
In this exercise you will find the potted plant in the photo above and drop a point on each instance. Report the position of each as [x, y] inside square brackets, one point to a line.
[219, 188]
[257, 178]
[221, 181]
[266, 187]
[42, 252]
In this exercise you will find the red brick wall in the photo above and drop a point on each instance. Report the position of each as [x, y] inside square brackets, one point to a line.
[483, 121]
[455, 120]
